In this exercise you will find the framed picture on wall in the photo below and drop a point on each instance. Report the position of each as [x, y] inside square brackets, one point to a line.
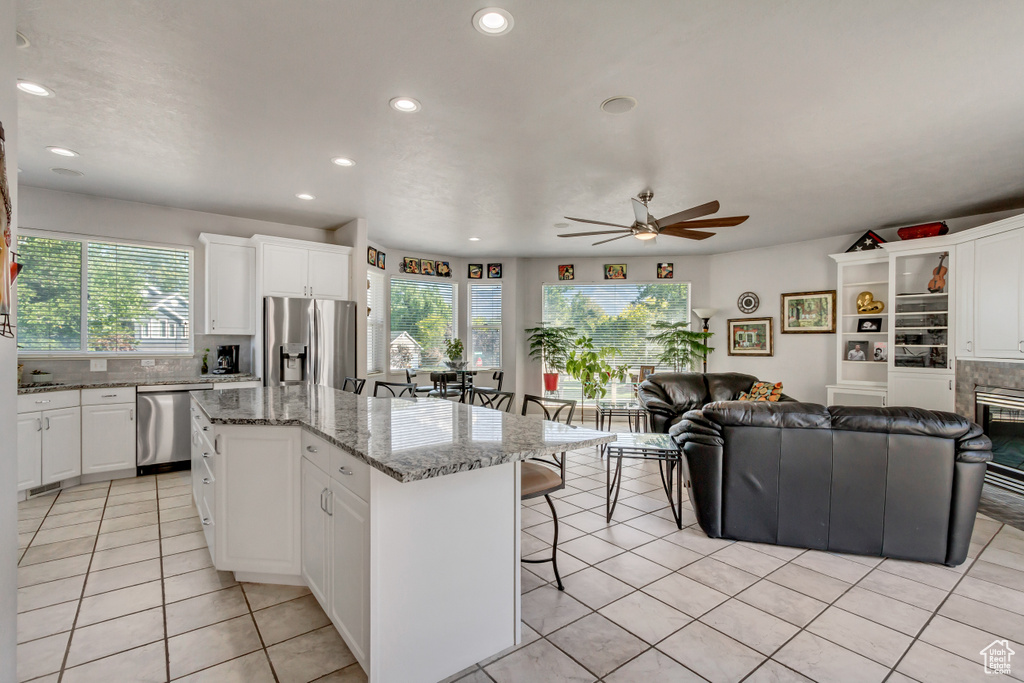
[493, 270]
[411, 265]
[371, 256]
[615, 271]
[476, 271]
[750, 337]
[857, 349]
[381, 259]
[869, 325]
[646, 370]
[426, 267]
[443, 269]
[809, 312]
[665, 271]
[566, 272]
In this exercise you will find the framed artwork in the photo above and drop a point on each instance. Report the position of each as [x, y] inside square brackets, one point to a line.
[411, 265]
[857, 349]
[443, 268]
[880, 352]
[426, 267]
[665, 271]
[615, 271]
[566, 272]
[869, 325]
[750, 337]
[809, 312]
[371, 256]
[476, 271]
[493, 270]
[381, 260]
[646, 370]
[867, 241]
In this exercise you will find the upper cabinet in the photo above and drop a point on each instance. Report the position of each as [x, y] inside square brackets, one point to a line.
[963, 278]
[998, 299]
[305, 269]
[231, 294]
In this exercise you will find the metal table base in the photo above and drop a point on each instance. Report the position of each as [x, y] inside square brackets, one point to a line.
[658, 447]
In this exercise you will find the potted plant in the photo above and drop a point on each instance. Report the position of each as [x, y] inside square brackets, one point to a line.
[206, 368]
[550, 344]
[41, 377]
[453, 349]
[681, 345]
[590, 367]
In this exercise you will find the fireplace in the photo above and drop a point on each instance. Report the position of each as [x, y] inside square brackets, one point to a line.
[1000, 412]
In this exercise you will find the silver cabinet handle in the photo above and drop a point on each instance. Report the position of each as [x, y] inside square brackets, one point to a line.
[951, 385]
[207, 521]
[206, 455]
[47, 423]
[970, 346]
[213, 323]
[330, 504]
[46, 401]
[207, 480]
[311, 449]
[345, 470]
[1019, 345]
[39, 424]
[131, 414]
[216, 444]
[108, 396]
[322, 504]
[206, 428]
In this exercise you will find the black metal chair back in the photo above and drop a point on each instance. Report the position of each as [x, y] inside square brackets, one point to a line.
[446, 385]
[552, 408]
[490, 398]
[410, 378]
[499, 378]
[353, 384]
[393, 389]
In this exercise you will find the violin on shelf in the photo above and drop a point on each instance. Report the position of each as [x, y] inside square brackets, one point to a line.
[938, 281]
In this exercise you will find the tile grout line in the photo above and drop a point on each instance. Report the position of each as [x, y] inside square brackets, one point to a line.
[163, 589]
[259, 634]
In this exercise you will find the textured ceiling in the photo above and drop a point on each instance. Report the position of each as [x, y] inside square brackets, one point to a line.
[816, 118]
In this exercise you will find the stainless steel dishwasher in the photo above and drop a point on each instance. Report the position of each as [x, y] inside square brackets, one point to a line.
[164, 433]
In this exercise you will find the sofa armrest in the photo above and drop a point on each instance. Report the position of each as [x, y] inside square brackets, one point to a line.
[974, 446]
[653, 404]
[702, 444]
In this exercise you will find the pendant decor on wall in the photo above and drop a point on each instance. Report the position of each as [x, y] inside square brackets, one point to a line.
[8, 270]
[748, 302]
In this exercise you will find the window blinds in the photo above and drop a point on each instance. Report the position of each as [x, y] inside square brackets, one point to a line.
[375, 323]
[49, 295]
[485, 326]
[422, 318]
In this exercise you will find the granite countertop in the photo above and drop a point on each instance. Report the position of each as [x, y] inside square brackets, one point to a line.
[407, 439]
[148, 382]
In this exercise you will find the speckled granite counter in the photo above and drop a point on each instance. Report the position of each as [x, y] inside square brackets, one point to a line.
[191, 379]
[407, 439]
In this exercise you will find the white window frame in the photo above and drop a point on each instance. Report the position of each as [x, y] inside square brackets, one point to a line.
[430, 280]
[377, 319]
[85, 240]
[470, 326]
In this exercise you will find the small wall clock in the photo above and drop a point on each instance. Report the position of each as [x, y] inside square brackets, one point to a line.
[748, 302]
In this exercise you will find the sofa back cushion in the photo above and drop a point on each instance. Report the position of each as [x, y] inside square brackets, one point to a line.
[727, 386]
[683, 390]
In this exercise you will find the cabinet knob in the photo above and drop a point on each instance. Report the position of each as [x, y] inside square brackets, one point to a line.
[311, 449]
[206, 428]
[345, 470]
[206, 480]
[206, 455]
[207, 521]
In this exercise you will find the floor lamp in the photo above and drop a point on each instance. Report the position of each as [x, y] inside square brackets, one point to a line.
[705, 315]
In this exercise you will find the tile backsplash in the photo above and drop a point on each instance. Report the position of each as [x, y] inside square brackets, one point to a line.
[974, 373]
[70, 371]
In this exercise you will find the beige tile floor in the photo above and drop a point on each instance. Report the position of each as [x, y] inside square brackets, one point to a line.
[115, 584]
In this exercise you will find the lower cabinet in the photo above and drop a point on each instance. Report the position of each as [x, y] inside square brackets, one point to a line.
[108, 437]
[316, 487]
[928, 391]
[62, 444]
[30, 451]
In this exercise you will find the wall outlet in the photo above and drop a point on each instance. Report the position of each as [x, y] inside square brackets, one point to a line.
[98, 365]
[148, 363]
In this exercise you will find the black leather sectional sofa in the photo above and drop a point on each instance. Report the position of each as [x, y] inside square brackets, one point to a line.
[668, 395]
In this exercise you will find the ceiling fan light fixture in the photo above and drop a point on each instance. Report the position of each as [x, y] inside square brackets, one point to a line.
[645, 236]
[493, 21]
[620, 104]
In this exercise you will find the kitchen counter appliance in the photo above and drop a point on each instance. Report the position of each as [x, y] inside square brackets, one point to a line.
[163, 431]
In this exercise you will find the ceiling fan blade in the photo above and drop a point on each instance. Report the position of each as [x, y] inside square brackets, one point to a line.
[584, 220]
[596, 232]
[676, 231]
[695, 212]
[611, 240]
[726, 222]
[640, 211]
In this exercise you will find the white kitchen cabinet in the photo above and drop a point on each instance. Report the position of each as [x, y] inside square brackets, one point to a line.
[285, 271]
[30, 451]
[998, 299]
[62, 444]
[108, 438]
[921, 390]
[963, 278]
[350, 574]
[231, 295]
[316, 488]
[328, 275]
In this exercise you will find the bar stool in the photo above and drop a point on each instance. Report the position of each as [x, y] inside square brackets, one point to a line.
[394, 389]
[490, 398]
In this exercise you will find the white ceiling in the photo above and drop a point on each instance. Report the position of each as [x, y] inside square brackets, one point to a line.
[816, 118]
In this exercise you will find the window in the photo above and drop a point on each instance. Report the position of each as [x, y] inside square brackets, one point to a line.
[618, 315]
[374, 323]
[422, 318]
[485, 326]
[137, 298]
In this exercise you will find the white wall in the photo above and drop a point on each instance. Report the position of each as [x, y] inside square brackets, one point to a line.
[353, 234]
[8, 371]
[804, 363]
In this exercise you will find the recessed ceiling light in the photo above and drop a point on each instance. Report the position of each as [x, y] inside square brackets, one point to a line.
[67, 172]
[405, 104]
[63, 151]
[474, 239]
[620, 104]
[306, 196]
[493, 21]
[34, 89]
[22, 40]
[343, 161]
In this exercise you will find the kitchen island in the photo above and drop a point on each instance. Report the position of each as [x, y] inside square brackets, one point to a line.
[401, 515]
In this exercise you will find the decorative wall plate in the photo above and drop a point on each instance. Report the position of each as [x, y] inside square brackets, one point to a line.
[748, 302]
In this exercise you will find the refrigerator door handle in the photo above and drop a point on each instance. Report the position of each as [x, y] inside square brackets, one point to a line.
[315, 343]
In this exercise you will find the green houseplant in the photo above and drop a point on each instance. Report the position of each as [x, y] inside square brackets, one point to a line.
[453, 349]
[550, 344]
[592, 369]
[681, 346]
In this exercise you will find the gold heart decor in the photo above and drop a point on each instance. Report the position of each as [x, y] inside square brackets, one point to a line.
[866, 303]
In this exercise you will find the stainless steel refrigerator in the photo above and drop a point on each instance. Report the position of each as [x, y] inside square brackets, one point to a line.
[308, 340]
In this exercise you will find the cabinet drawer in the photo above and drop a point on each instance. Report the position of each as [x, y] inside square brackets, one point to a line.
[94, 397]
[50, 400]
[206, 516]
[317, 451]
[350, 472]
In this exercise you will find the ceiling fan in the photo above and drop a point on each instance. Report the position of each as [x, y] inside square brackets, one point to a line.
[647, 227]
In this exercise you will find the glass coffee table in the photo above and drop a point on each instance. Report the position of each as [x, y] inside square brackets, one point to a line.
[628, 408]
[658, 447]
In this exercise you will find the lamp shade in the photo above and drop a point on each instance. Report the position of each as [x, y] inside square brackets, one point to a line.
[705, 313]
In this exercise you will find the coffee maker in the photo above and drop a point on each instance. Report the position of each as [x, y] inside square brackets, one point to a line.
[227, 360]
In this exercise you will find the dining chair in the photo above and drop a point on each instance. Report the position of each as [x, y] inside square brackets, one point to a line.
[394, 389]
[353, 384]
[445, 385]
[410, 378]
[499, 377]
[490, 398]
[542, 476]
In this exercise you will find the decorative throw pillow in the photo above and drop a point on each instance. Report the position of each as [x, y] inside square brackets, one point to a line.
[763, 391]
